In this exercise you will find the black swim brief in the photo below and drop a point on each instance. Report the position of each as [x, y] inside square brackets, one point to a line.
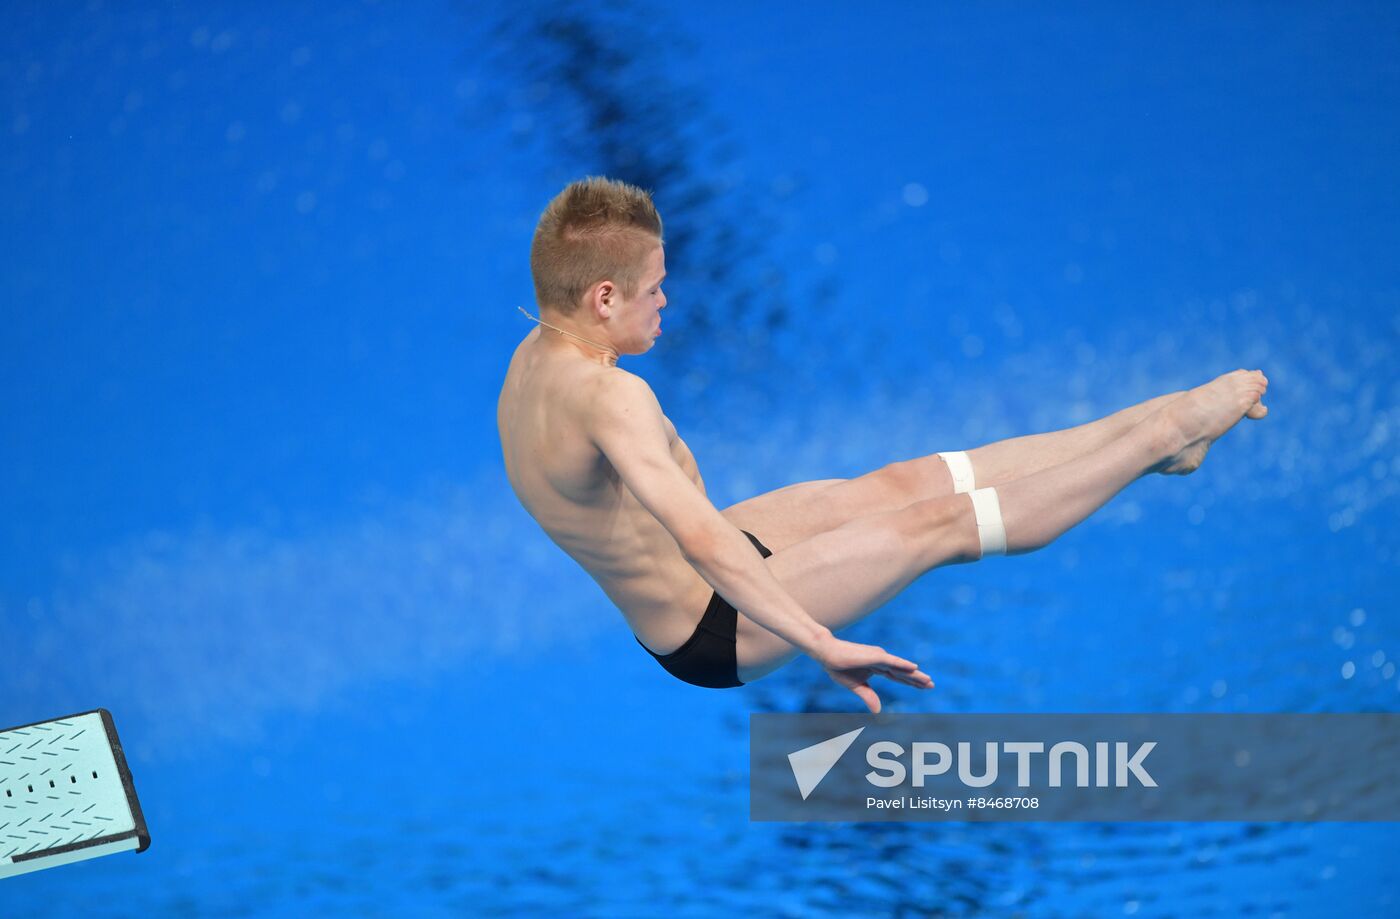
[707, 658]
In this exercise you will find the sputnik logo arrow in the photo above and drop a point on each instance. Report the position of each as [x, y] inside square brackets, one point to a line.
[811, 764]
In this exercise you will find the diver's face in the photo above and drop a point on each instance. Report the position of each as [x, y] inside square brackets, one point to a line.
[639, 319]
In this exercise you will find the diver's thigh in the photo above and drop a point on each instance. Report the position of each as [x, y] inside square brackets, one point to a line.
[841, 575]
[791, 515]
[785, 515]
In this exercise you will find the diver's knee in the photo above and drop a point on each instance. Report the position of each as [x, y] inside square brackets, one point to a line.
[903, 482]
[942, 531]
[960, 468]
[991, 529]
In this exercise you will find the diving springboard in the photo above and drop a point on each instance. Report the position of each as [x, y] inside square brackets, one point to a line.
[65, 794]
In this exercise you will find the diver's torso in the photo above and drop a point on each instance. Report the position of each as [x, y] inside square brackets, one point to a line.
[571, 489]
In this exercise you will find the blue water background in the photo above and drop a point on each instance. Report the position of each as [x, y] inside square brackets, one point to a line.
[260, 271]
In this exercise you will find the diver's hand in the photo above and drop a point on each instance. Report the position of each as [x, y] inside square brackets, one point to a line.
[852, 665]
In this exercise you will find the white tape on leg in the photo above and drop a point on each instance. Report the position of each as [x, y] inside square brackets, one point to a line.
[961, 467]
[991, 532]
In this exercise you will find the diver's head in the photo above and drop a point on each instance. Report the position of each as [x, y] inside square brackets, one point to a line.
[598, 260]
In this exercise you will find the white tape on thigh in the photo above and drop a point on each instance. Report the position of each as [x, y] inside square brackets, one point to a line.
[990, 530]
[961, 467]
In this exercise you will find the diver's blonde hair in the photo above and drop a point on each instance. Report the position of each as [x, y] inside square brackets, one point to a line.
[596, 229]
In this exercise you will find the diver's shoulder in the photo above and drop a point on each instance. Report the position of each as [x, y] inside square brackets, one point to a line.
[615, 383]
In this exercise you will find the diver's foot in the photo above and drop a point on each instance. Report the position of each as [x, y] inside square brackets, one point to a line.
[1193, 422]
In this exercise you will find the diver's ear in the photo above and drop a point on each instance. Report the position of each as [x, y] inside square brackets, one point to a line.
[603, 299]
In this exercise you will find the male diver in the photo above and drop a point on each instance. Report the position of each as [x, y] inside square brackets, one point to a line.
[723, 597]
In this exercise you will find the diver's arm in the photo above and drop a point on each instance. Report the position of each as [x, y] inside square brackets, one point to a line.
[627, 425]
